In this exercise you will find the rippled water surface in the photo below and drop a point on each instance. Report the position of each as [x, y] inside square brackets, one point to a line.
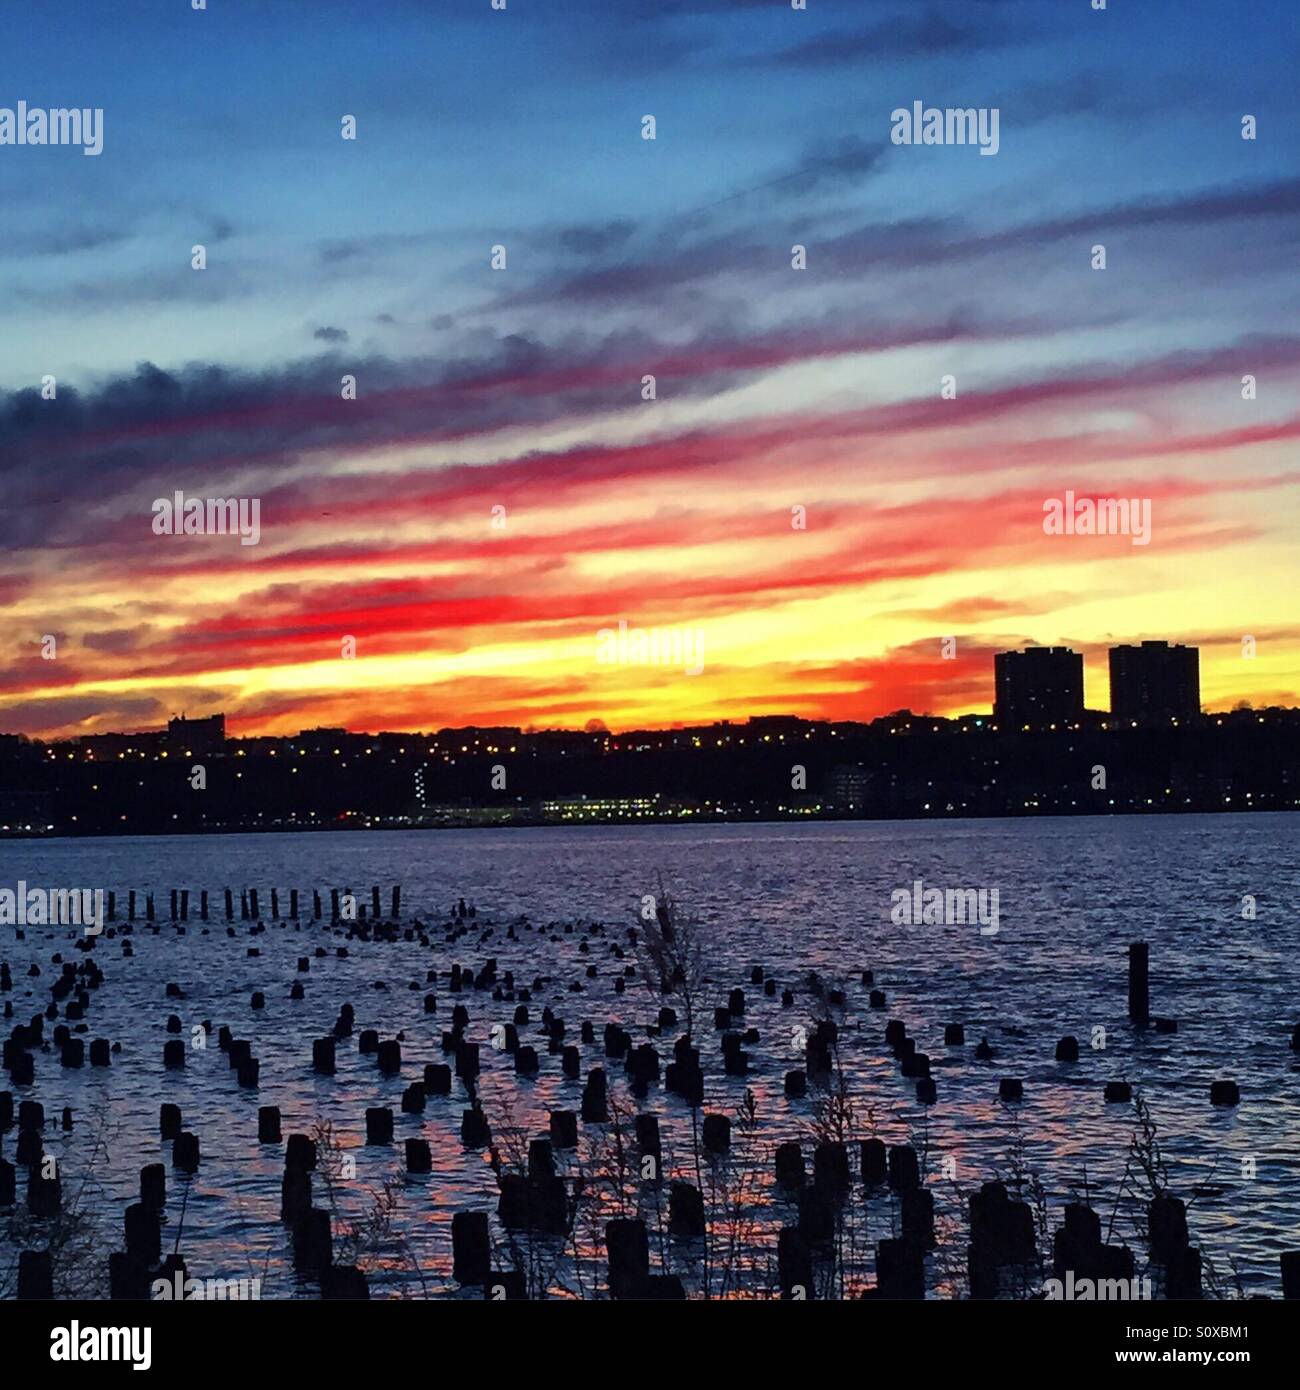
[1072, 894]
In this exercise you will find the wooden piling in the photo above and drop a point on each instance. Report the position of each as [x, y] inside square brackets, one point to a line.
[470, 1247]
[628, 1249]
[1139, 992]
[35, 1275]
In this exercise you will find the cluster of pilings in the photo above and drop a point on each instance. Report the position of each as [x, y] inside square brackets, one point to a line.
[1003, 1253]
[251, 904]
[538, 1201]
[311, 1226]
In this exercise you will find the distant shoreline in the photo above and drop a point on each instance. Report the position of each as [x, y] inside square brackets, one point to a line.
[624, 823]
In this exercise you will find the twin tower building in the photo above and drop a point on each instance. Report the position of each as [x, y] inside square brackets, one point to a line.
[1044, 685]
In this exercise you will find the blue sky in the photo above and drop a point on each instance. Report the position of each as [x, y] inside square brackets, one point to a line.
[479, 126]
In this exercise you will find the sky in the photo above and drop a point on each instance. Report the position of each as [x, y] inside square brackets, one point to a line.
[803, 503]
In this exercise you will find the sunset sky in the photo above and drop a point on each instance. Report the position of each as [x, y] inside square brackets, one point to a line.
[521, 388]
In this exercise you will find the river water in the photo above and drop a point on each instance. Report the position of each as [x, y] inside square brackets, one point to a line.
[1072, 894]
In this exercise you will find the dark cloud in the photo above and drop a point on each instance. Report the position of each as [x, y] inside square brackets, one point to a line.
[1097, 94]
[847, 160]
[328, 334]
[689, 257]
[67, 466]
[177, 283]
[912, 36]
[333, 252]
[83, 469]
[63, 241]
[595, 239]
[116, 639]
[94, 711]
